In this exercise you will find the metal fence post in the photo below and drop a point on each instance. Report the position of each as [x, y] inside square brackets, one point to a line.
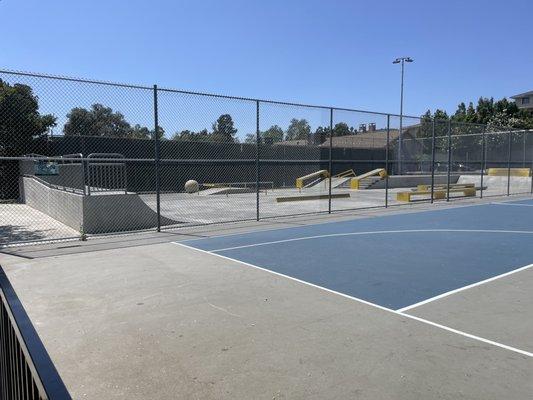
[330, 163]
[509, 164]
[524, 149]
[83, 172]
[157, 159]
[257, 154]
[483, 160]
[432, 159]
[531, 175]
[387, 163]
[449, 168]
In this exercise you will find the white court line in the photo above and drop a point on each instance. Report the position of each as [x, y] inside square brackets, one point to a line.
[371, 233]
[356, 217]
[425, 321]
[446, 294]
[511, 204]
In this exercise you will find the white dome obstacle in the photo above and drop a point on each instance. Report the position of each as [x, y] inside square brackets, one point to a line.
[191, 186]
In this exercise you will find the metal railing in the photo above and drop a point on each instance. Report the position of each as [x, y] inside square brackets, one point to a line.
[26, 371]
[106, 172]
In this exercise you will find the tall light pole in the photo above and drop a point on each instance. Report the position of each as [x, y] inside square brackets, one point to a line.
[401, 60]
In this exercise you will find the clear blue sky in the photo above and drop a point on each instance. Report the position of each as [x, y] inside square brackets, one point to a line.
[320, 52]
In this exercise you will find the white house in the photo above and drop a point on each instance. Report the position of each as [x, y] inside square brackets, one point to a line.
[524, 100]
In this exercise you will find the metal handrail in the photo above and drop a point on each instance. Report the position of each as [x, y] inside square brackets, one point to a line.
[104, 158]
[26, 369]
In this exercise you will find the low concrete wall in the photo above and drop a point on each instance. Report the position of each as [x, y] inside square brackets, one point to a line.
[409, 181]
[103, 213]
[63, 206]
[518, 184]
[119, 212]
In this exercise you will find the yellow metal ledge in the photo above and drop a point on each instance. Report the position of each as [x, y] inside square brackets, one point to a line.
[514, 172]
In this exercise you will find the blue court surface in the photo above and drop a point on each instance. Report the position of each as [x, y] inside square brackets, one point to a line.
[393, 261]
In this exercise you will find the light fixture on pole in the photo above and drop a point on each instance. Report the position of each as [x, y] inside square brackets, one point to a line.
[401, 60]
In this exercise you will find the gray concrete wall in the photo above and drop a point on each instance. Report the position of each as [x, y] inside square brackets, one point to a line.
[408, 181]
[65, 207]
[118, 212]
[69, 175]
[96, 214]
[518, 184]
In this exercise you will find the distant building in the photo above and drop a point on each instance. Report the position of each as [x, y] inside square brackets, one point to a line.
[373, 139]
[524, 101]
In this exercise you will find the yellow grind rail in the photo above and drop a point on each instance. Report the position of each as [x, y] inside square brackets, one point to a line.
[345, 174]
[300, 182]
[525, 172]
[354, 182]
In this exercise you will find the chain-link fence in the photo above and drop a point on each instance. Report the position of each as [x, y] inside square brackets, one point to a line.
[80, 158]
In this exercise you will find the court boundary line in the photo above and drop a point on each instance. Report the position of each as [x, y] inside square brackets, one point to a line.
[440, 207]
[408, 316]
[511, 204]
[446, 294]
[370, 233]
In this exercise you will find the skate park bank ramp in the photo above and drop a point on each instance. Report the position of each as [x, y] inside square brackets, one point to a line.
[91, 214]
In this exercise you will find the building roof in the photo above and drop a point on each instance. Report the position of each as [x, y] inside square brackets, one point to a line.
[517, 96]
[365, 140]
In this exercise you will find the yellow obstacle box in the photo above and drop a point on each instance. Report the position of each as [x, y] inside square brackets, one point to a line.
[439, 192]
[355, 182]
[525, 172]
[300, 182]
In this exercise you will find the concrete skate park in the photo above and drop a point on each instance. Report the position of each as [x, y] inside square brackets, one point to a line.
[64, 204]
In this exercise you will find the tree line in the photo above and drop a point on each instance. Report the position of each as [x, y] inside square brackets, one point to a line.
[495, 114]
[21, 122]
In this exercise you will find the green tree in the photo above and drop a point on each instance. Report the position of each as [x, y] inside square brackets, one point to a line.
[20, 120]
[298, 129]
[273, 134]
[142, 132]
[250, 138]
[99, 120]
[190, 136]
[342, 129]
[460, 113]
[223, 129]
[321, 135]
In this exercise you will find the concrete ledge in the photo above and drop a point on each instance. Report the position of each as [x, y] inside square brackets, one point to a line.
[311, 197]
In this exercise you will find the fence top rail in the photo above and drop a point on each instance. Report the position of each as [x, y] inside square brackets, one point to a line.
[70, 79]
[163, 89]
[193, 160]
[73, 155]
[105, 155]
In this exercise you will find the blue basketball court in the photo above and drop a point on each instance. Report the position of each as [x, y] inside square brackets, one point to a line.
[394, 261]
